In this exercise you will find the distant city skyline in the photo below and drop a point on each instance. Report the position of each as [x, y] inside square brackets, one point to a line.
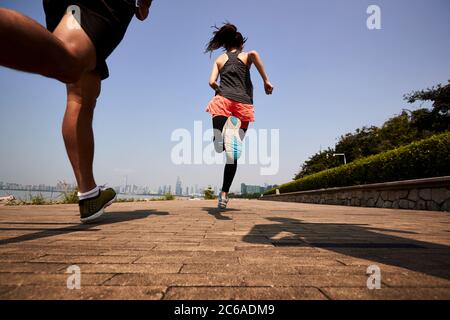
[132, 189]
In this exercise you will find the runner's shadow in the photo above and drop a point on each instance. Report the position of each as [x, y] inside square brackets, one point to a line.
[358, 241]
[217, 213]
[106, 219]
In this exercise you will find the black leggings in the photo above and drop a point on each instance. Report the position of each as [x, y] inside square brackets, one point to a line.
[230, 168]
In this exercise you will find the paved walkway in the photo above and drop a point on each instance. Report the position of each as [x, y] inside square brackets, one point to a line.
[255, 250]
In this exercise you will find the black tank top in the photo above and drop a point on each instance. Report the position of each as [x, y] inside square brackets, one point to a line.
[235, 81]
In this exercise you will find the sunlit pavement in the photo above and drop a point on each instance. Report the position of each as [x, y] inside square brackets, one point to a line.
[255, 250]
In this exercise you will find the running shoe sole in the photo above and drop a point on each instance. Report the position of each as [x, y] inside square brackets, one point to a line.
[222, 203]
[222, 206]
[232, 138]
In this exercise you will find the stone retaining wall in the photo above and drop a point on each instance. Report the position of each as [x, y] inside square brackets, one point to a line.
[431, 194]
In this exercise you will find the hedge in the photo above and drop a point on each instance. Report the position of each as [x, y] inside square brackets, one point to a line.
[421, 159]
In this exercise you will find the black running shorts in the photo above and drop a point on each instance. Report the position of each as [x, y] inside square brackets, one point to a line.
[104, 21]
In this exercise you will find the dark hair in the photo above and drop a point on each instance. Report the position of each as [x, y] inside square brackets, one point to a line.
[226, 37]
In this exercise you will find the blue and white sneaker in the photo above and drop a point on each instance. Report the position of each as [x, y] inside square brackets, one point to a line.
[232, 139]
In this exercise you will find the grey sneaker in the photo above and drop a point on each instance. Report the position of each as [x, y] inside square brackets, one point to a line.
[223, 202]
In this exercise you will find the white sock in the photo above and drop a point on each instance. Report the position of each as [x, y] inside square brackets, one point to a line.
[90, 194]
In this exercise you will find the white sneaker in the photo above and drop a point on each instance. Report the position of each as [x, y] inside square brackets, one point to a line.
[232, 139]
[223, 202]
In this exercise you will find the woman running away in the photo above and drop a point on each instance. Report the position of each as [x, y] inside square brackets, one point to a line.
[232, 107]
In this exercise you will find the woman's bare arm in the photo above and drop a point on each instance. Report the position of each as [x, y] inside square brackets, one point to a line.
[214, 76]
[256, 59]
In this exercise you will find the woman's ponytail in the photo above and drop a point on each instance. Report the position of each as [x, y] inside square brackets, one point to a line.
[226, 37]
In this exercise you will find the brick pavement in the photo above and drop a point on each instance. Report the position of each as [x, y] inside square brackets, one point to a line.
[254, 250]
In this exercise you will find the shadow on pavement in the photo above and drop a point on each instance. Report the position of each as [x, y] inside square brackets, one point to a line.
[106, 219]
[358, 241]
[217, 213]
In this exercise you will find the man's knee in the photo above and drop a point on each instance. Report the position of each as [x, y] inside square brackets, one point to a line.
[75, 65]
[71, 70]
[86, 90]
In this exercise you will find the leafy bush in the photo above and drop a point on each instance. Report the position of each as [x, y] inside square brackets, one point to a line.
[13, 202]
[37, 200]
[70, 196]
[169, 197]
[209, 194]
[421, 159]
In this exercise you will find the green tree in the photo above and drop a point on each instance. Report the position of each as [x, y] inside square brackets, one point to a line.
[438, 118]
[320, 161]
[362, 143]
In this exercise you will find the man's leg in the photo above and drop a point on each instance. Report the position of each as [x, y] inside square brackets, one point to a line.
[27, 46]
[79, 140]
[81, 99]
[77, 128]
[70, 56]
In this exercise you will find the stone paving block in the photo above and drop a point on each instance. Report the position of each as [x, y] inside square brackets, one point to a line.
[31, 267]
[323, 280]
[91, 245]
[78, 237]
[209, 268]
[165, 257]
[4, 289]
[191, 248]
[213, 257]
[156, 268]
[69, 259]
[10, 257]
[42, 251]
[181, 280]
[294, 261]
[121, 252]
[7, 250]
[264, 250]
[85, 293]
[331, 270]
[20, 279]
[414, 279]
[224, 293]
[387, 293]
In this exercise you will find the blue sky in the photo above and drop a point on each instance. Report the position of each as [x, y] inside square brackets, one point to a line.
[331, 76]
